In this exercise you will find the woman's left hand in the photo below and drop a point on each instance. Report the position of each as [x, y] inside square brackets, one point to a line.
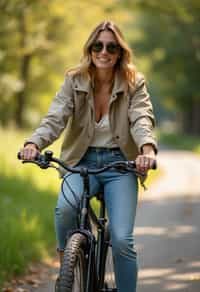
[146, 160]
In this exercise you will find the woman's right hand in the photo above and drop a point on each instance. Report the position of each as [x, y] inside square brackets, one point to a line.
[29, 152]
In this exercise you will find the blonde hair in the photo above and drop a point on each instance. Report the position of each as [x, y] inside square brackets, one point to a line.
[124, 64]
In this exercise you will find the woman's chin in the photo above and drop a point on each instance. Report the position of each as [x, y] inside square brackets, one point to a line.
[104, 66]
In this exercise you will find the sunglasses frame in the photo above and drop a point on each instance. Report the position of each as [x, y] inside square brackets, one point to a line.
[111, 47]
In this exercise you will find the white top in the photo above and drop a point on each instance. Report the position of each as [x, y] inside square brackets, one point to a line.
[102, 134]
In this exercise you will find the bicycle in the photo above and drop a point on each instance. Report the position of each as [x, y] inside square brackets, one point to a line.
[87, 264]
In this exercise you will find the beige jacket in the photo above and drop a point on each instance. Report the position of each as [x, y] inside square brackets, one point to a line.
[131, 118]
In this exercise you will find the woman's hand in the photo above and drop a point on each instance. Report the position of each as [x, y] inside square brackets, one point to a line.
[146, 160]
[29, 152]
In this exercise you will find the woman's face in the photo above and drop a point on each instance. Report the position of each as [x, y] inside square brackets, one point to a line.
[105, 51]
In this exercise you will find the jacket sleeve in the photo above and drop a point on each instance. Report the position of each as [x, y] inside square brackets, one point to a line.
[141, 115]
[55, 120]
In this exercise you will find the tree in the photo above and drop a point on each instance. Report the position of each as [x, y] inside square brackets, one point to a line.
[39, 39]
[171, 41]
[25, 36]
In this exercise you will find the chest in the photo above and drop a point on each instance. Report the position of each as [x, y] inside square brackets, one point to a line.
[101, 103]
[90, 106]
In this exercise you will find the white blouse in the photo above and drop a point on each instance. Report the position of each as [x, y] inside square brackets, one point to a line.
[102, 134]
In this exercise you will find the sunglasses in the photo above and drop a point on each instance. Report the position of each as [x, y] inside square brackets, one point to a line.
[111, 47]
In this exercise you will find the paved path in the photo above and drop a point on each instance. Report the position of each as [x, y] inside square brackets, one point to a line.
[167, 229]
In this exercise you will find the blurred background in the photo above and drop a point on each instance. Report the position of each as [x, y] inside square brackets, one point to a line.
[39, 40]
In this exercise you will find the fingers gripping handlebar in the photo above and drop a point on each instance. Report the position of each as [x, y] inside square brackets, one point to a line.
[43, 161]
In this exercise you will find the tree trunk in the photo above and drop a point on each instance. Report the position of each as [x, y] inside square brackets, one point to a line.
[25, 58]
[21, 95]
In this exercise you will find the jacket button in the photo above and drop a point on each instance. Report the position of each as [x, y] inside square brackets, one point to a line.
[117, 137]
[114, 96]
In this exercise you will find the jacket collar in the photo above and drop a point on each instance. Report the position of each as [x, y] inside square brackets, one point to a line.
[83, 83]
[119, 84]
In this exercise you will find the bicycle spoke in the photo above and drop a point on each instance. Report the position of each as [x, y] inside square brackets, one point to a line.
[109, 272]
[78, 281]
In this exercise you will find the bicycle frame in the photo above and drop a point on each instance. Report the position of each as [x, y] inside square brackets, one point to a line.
[96, 247]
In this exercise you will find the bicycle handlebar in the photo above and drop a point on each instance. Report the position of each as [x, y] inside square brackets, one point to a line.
[43, 161]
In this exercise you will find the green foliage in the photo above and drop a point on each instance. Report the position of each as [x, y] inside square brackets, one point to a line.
[39, 40]
[180, 141]
[27, 200]
[27, 231]
[170, 41]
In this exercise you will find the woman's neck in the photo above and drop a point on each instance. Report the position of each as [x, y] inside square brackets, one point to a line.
[104, 77]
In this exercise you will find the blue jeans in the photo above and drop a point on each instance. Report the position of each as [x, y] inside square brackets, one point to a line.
[120, 193]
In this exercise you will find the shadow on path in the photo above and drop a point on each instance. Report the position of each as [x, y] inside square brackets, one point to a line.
[168, 238]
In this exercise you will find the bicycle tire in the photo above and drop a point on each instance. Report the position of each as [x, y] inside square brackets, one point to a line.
[73, 268]
[109, 275]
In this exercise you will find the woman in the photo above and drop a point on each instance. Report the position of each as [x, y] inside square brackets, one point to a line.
[107, 113]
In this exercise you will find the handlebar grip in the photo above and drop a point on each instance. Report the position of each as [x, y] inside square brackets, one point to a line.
[48, 154]
[133, 164]
[154, 166]
[19, 156]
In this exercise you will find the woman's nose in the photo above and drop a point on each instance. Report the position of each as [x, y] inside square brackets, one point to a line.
[104, 51]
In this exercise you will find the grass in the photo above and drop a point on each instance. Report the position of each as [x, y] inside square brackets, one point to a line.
[27, 200]
[180, 141]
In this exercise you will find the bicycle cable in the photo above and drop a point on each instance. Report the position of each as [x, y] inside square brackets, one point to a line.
[77, 200]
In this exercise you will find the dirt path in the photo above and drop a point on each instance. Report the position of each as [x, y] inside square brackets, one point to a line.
[167, 231]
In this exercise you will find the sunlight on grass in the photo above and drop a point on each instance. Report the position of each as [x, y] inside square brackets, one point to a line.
[12, 142]
[180, 141]
[197, 149]
[27, 200]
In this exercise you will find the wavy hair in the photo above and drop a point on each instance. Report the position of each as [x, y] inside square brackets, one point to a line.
[124, 64]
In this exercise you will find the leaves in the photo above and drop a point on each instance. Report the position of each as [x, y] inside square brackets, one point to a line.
[39, 39]
[170, 42]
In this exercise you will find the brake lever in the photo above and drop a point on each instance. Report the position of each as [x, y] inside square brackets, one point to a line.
[41, 163]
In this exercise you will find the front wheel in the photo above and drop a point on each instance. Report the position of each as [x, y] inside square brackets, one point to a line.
[109, 276]
[109, 283]
[73, 268]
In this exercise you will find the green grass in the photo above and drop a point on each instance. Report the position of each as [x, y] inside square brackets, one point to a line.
[27, 200]
[180, 141]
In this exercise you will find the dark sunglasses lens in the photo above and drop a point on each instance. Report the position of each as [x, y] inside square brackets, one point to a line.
[112, 48]
[97, 47]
